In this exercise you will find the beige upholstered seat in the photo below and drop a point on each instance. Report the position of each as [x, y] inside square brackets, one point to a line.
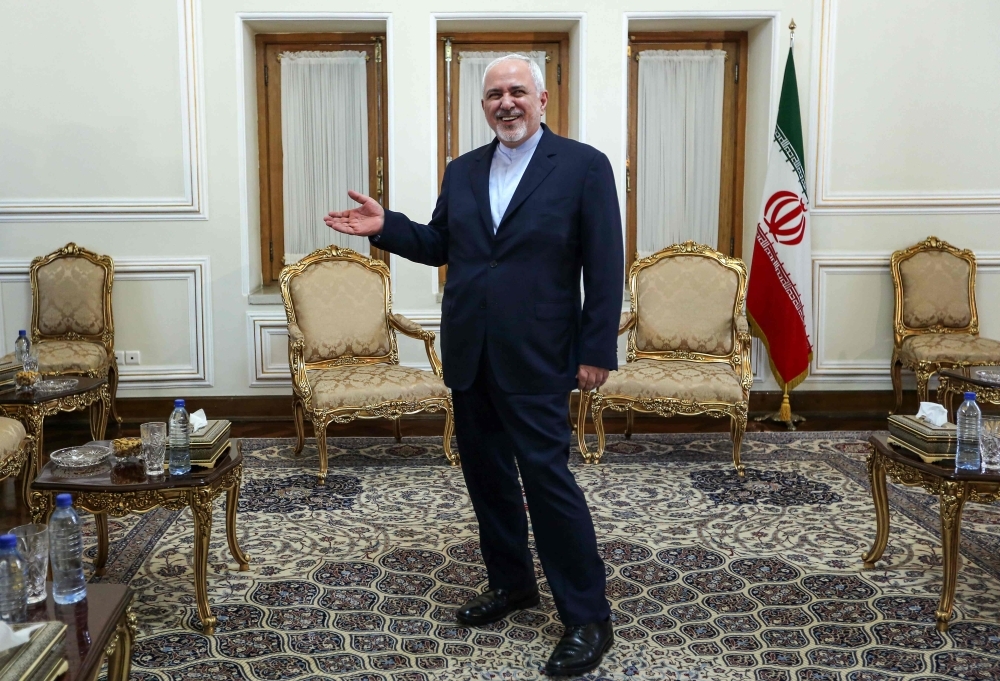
[342, 348]
[16, 449]
[695, 381]
[72, 326]
[936, 323]
[372, 384]
[688, 343]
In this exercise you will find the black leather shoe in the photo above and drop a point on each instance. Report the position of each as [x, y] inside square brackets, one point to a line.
[494, 605]
[580, 649]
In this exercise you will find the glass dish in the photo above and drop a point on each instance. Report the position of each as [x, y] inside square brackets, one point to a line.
[80, 457]
[989, 375]
[52, 385]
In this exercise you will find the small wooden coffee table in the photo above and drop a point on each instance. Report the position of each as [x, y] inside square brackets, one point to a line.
[953, 488]
[101, 625]
[198, 489]
[952, 383]
[32, 408]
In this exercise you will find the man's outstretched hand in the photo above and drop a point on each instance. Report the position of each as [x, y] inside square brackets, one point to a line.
[590, 378]
[365, 220]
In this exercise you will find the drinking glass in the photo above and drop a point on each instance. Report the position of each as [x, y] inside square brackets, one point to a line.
[33, 544]
[154, 446]
[31, 360]
[989, 443]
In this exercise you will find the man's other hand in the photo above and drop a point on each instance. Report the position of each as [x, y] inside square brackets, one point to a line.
[365, 220]
[590, 378]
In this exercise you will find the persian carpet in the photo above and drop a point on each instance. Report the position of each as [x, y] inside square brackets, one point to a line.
[709, 577]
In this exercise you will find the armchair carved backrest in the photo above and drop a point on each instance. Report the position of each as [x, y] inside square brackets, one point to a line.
[71, 296]
[687, 303]
[935, 290]
[339, 305]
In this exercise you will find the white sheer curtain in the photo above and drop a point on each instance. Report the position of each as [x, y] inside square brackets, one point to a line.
[679, 147]
[473, 131]
[324, 138]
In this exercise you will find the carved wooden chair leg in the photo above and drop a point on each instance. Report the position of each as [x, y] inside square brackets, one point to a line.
[597, 413]
[449, 430]
[897, 383]
[298, 414]
[923, 378]
[397, 429]
[320, 427]
[737, 427]
[629, 423]
[581, 426]
[113, 388]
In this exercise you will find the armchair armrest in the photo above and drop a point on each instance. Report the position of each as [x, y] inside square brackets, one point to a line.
[414, 330]
[741, 356]
[742, 326]
[626, 322]
[296, 359]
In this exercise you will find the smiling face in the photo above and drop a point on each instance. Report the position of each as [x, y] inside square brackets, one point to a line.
[512, 103]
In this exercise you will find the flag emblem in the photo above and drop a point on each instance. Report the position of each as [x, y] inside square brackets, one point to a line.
[785, 216]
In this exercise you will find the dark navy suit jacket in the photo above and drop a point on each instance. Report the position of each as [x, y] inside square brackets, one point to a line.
[518, 292]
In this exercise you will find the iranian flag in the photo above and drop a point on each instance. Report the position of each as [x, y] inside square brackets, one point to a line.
[780, 291]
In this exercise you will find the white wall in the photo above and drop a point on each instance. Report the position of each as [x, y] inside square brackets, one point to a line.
[130, 129]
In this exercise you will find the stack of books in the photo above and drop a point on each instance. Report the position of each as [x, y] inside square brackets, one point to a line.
[42, 658]
[931, 443]
[209, 443]
[7, 372]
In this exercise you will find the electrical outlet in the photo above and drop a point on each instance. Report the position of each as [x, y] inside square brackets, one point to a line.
[120, 357]
[132, 357]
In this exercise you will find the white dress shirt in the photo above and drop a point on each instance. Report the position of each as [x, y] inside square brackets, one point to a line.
[505, 173]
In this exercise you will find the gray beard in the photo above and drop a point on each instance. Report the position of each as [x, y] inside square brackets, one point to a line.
[514, 136]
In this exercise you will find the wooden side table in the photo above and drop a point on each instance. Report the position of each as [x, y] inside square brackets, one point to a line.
[198, 489]
[952, 383]
[953, 488]
[32, 408]
[98, 627]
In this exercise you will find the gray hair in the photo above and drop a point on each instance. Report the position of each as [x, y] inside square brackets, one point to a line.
[536, 73]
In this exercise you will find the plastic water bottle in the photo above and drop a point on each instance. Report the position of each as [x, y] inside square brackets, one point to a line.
[21, 346]
[66, 553]
[13, 582]
[180, 439]
[968, 420]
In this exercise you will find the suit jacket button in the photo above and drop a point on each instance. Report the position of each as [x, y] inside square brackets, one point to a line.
[493, 264]
[482, 306]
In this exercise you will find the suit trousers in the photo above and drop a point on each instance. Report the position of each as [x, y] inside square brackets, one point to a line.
[499, 434]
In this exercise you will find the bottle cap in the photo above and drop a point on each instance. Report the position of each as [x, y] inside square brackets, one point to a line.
[64, 500]
[22, 332]
[178, 404]
[8, 541]
[970, 396]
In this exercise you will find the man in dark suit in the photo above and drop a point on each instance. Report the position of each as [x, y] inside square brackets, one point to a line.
[516, 223]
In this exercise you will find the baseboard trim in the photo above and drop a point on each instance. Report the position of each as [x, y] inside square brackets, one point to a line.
[813, 404]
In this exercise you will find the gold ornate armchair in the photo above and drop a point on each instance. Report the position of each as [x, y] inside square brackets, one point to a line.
[72, 326]
[936, 325]
[17, 454]
[688, 343]
[342, 348]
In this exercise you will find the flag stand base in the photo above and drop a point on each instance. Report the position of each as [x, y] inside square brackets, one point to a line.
[783, 415]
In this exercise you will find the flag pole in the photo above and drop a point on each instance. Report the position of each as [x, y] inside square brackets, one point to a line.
[784, 413]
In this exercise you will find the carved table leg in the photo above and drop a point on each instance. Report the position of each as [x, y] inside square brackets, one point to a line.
[880, 495]
[201, 509]
[952, 500]
[232, 500]
[102, 543]
[120, 659]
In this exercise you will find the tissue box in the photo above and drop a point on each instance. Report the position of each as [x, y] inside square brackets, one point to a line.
[42, 658]
[936, 441]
